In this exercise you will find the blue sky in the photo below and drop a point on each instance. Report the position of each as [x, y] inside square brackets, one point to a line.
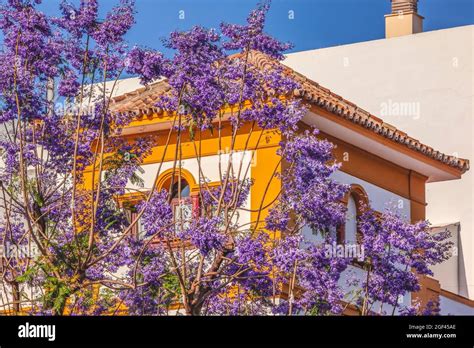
[316, 23]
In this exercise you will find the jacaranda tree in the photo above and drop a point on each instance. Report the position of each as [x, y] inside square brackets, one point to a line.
[81, 255]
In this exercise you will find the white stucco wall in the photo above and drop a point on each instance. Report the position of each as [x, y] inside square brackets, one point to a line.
[449, 274]
[423, 84]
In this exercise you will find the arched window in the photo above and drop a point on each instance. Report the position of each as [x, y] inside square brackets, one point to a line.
[178, 181]
[356, 201]
[182, 187]
[179, 184]
[350, 229]
[184, 201]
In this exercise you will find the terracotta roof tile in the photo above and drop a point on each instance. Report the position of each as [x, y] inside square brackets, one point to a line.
[142, 100]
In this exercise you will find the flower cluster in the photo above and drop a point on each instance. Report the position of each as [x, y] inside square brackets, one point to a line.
[397, 253]
[252, 36]
[205, 235]
[308, 188]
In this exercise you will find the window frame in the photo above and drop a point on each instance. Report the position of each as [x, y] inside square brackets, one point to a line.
[362, 203]
[130, 200]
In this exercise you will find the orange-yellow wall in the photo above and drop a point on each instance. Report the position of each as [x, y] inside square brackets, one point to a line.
[265, 159]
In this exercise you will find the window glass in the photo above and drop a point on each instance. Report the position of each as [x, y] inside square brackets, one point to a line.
[185, 190]
[351, 221]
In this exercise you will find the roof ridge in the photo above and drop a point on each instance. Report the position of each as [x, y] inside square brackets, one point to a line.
[380, 126]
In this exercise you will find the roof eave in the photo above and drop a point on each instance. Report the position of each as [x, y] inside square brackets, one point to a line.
[380, 146]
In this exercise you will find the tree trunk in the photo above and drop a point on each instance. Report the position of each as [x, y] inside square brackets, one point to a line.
[16, 297]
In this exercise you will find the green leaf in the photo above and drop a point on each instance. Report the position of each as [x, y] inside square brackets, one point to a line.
[27, 276]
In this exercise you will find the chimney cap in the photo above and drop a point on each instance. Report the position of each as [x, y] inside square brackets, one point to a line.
[403, 6]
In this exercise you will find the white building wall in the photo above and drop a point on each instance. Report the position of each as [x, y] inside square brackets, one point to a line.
[449, 273]
[423, 84]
